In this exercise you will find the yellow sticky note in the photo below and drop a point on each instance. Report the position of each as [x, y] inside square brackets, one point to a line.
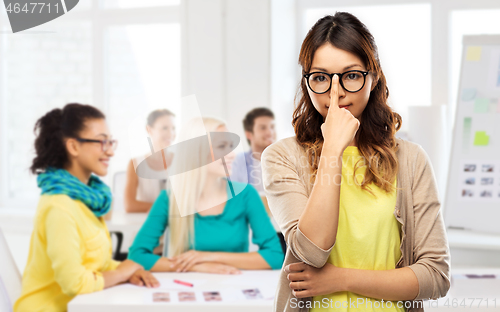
[474, 53]
[481, 138]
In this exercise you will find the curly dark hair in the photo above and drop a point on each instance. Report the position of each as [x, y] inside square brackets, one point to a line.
[53, 128]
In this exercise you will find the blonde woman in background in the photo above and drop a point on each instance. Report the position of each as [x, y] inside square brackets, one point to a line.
[213, 234]
[140, 193]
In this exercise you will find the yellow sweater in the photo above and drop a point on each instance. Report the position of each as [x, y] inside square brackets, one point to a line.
[69, 248]
[367, 237]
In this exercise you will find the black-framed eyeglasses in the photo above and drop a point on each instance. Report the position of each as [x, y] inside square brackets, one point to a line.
[105, 144]
[352, 81]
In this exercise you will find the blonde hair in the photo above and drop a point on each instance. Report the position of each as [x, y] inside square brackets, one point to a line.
[188, 185]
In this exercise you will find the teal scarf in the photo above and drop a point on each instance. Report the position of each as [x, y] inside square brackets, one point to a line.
[95, 195]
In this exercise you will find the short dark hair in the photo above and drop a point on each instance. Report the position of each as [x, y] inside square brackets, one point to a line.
[154, 115]
[250, 117]
[51, 130]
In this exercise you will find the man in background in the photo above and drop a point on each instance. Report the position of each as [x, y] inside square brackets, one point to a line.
[260, 133]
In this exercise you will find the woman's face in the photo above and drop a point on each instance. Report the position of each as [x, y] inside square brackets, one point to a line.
[162, 132]
[330, 59]
[90, 156]
[216, 168]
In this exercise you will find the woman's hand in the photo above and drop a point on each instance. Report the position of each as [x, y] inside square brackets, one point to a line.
[340, 125]
[308, 281]
[122, 273]
[215, 268]
[144, 278]
[127, 268]
[185, 261]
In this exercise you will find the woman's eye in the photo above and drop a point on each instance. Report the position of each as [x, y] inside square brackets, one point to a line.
[319, 78]
[352, 76]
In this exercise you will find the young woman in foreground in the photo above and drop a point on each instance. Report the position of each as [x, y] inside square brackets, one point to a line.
[358, 206]
[207, 217]
[70, 249]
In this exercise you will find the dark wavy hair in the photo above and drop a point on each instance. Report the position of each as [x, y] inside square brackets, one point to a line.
[53, 128]
[379, 124]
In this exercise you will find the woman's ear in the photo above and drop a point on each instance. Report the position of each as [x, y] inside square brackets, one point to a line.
[72, 147]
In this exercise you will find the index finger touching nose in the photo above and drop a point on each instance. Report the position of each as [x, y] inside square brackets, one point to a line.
[334, 92]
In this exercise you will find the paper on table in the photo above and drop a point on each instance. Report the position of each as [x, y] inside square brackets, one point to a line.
[266, 282]
[474, 53]
[162, 296]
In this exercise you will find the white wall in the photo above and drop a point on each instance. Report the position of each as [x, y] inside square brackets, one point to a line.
[227, 58]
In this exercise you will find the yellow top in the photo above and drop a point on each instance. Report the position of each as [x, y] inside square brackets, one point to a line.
[368, 237]
[69, 248]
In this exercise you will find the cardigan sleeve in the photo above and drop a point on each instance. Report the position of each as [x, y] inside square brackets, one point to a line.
[287, 198]
[63, 249]
[149, 235]
[430, 250]
[263, 233]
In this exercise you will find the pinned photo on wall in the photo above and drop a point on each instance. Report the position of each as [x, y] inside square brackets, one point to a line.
[469, 167]
[488, 168]
[486, 181]
[486, 194]
[470, 181]
[467, 193]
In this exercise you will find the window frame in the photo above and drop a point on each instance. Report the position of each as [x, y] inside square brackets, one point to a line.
[100, 18]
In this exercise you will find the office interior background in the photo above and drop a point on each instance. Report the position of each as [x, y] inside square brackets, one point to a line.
[129, 57]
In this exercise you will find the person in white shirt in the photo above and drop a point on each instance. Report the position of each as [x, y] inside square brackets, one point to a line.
[140, 193]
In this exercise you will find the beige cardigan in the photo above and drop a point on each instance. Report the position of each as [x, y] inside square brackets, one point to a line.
[424, 244]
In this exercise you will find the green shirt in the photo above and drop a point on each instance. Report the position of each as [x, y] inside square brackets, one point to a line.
[226, 232]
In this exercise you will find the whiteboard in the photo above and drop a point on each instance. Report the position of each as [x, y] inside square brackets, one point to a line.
[472, 199]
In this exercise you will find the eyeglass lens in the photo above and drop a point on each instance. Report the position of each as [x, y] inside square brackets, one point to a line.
[109, 144]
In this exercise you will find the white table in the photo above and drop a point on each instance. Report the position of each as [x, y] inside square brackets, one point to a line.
[468, 291]
[129, 298]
